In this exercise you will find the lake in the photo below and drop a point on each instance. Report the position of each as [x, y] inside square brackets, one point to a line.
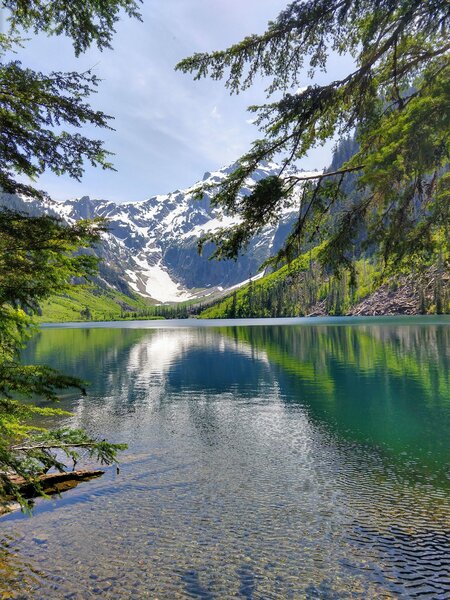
[267, 459]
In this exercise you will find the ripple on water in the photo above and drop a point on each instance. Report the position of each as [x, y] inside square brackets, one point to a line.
[263, 482]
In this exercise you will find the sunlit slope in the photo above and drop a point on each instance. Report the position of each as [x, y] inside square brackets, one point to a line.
[296, 289]
[90, 302]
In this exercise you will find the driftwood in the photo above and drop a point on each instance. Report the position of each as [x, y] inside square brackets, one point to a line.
[411, 295]
[51, 483]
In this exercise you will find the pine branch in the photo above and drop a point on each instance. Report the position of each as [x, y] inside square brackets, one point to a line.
[299, 178]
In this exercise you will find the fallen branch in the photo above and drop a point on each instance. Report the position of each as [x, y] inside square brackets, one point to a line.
[51, 479]
[54, 446]
[50, 483]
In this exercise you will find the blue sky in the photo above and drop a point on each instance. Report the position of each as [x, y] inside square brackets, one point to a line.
[169, 129]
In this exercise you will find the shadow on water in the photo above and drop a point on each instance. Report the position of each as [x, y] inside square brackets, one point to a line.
[247, 586]
[193, 587]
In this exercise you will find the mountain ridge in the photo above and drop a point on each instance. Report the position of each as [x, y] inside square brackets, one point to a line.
[151, 245]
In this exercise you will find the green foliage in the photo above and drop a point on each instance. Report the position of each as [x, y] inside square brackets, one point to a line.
[261, 207]
[88, 22]
[37, 259]
[274, 295]
[32, 106]
[89, 302]
[300, 288]
[39, 256]
[92, 303]
[43, 451]
[396, 99]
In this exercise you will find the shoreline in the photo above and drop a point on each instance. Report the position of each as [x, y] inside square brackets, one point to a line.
[251, 321]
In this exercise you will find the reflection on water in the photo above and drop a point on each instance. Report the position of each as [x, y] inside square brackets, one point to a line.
[264, 462]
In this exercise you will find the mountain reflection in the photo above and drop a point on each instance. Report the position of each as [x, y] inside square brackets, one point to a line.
[385, 386]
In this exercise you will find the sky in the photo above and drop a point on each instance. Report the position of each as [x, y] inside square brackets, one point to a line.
[169, 129]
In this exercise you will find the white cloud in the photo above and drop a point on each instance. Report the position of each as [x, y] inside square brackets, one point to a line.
[169, 128]
[215, 114]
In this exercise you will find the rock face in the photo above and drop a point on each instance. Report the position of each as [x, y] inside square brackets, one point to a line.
[152, 245]
[409, 295]
[404, 300]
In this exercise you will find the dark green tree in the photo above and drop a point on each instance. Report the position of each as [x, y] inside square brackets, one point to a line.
[397, 101]
[40, 112]
[39, 118]
[86, 22]
[38, 258]
[85, 313]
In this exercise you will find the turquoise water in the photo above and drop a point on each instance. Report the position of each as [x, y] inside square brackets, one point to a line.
[267, 459]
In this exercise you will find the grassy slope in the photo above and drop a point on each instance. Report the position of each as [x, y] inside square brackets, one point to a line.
[103, 305]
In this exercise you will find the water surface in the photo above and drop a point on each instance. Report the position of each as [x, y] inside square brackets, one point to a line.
[299, 459]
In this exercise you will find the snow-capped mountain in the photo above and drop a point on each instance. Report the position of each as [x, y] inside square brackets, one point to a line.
[151, 246]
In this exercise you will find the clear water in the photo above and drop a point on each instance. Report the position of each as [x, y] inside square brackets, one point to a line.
[294, 460]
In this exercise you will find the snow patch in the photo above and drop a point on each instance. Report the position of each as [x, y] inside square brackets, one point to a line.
[254, 278]
[158, 283]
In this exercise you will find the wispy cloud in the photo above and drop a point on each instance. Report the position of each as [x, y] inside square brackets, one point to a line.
[169, 128]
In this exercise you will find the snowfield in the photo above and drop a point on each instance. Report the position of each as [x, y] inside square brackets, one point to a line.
[151, 246]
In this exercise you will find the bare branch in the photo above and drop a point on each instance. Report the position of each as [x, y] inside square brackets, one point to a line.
[323, 175]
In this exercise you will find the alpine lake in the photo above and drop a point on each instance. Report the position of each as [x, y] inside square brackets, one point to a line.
[267, 459]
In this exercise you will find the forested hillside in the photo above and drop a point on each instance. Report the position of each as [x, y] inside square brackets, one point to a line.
[300, 289]
[366, 287]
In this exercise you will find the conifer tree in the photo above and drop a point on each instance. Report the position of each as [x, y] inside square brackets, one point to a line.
[396, 99]
[40, 114]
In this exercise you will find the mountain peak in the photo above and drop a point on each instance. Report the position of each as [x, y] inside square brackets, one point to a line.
[151, 246]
